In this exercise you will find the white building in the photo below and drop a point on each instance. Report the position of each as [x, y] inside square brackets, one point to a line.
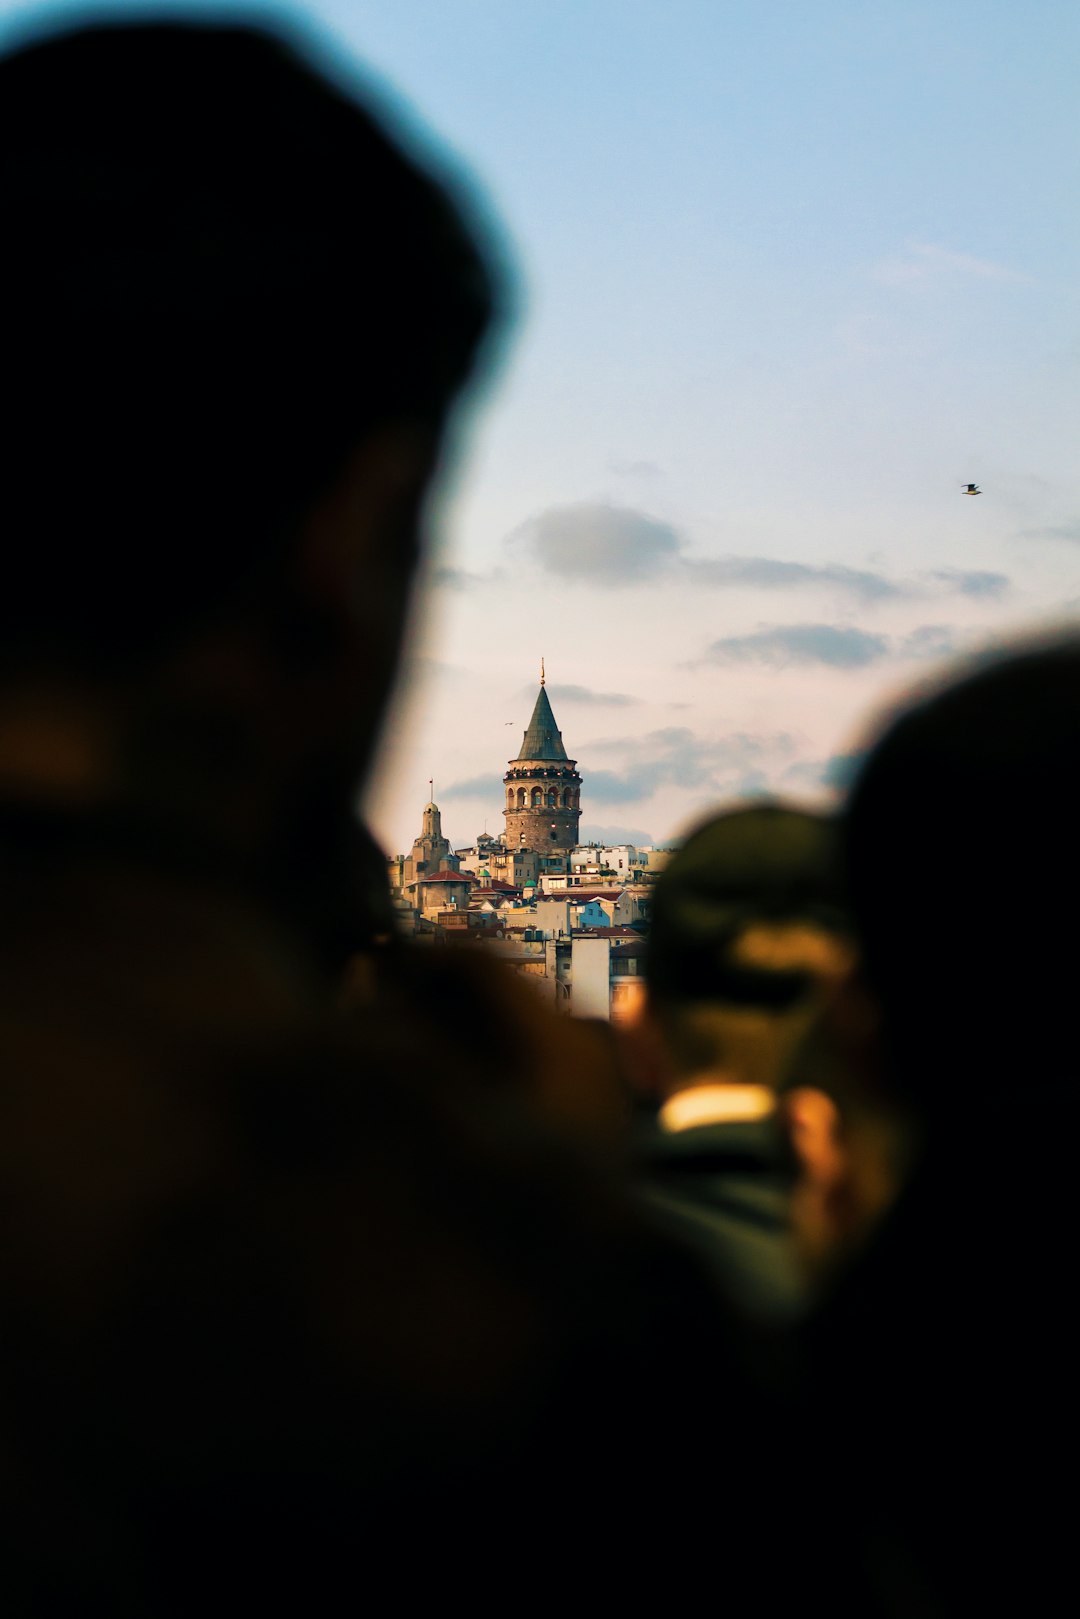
[590, 975]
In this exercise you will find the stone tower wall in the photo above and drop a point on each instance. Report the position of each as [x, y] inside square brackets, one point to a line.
[537, 826]
[529, 787]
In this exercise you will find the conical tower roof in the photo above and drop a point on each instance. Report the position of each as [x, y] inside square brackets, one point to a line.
[543, 739]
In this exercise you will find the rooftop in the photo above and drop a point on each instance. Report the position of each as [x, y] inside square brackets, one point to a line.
[583, 896]
[624, 935]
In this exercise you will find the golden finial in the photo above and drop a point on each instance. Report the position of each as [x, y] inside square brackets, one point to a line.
[541, 671]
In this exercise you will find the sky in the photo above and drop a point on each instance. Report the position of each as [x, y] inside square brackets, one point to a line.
[786, 277]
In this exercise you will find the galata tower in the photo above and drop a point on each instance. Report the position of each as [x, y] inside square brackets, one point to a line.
[543, 788]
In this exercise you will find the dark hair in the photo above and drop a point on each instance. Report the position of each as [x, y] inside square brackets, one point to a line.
[960, 843]
[218, 274]
[763, 863]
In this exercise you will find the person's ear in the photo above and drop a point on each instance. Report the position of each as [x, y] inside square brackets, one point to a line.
[646, 1063]
[851, 1028]
[819, 1198]
[814, 1130]
[851, 1157]
[361, 542]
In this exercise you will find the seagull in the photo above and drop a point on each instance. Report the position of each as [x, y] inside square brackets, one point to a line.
[972, 489]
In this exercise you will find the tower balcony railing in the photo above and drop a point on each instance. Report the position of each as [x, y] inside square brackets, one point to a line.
[559, 772]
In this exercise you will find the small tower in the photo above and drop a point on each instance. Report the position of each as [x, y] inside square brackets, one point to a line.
[432, 826]
[543, 788]
[431, 852]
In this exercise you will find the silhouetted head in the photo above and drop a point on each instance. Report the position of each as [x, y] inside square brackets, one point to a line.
[965, 885]
[236, 316]
[748, 919]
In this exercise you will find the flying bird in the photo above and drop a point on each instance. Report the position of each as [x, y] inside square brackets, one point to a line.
[972, 489]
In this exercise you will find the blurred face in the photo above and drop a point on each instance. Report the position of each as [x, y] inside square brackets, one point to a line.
[297, 682]
[356, 566]
[854, 1143]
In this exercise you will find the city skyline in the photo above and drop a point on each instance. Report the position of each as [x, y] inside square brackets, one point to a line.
[786, 280]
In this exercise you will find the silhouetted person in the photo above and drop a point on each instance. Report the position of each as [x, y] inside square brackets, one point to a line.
[282, 1306]
[942, 1367]
[748, 926]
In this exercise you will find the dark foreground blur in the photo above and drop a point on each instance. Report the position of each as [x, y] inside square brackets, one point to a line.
[327, 1270]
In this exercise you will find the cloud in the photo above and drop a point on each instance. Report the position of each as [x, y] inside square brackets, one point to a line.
[768, 573]
[591, 832]
[928, 641]
[837, 772]
[808, 773]
[754, 784]
[836, 646]
[861, 584]
[605, 787]
[1069, 531]
[585, 694]
[926, 261]
[444, 578]
[486, 786]
[601, 543]
[975, 583]
[840, 771]
[419, 666]
[631, 770]
[676, 756]
[622, 546]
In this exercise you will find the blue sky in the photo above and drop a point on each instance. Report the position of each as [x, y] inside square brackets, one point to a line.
[788, 275]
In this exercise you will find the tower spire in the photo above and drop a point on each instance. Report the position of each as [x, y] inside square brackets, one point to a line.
[543, 739]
